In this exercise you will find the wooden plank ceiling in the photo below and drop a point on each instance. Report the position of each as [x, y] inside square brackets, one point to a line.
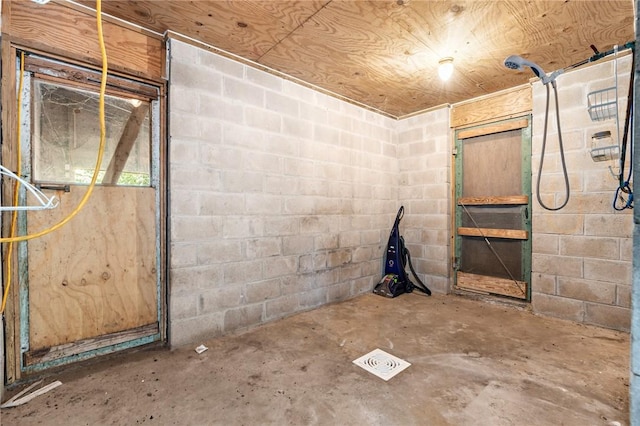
[384, 54]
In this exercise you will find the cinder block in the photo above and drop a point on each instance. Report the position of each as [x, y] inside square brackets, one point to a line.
[242, 317]
[608, 270]
[259, 161]
[215, 203]
[543, 283]
[241, 91]
[626, 249]
[557, 265]
[263, 247]
[190, 228]
[320, 261]
[312, 298]
[281, 226]
[219, 157]
[221, 64]
[280, 307]
[563, 224]
[546, 243]
[242, 272]
[219, 251]
[183, 306]
[242, 181]
[196, 78]
[243, 226]
[587, 290]
[262, 119]
[585, 246]
[264, 79]
[305, 264]
[326, 241]
[257, 203]
[217, 108]
[195, 177]
[184, 202]
[183, 125]
[338, 292]
[338, 257]
[195, 330]
[220, 299]
[262, 290]
[190, 281]
[559, 307]
[363, 285]
[350, 272]
[349, 239]
[438, 284]
[607, 316]
[609, 225]
[294, 284]
[297, 244]
[183, 52]
[623, 296]
[182, 255]
[279, 266]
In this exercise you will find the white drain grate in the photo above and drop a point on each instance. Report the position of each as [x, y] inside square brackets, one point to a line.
[381, 364]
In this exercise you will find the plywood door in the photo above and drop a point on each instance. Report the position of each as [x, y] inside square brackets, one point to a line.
[493, 227]
[95, 278]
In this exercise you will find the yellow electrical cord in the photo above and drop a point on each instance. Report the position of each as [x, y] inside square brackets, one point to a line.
[16, 191]
[103, 85]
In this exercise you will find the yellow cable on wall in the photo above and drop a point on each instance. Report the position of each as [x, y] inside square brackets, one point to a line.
[12, 238]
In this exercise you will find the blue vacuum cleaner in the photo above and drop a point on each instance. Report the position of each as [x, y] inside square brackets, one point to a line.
[396, 281]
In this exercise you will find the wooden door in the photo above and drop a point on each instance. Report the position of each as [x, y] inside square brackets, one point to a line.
[92, 286]
[493, 209]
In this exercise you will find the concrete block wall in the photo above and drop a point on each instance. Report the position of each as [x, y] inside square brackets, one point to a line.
[582, 254]
[424, 154]
[281, 198]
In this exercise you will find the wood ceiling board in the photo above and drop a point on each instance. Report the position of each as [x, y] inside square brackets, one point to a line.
[384, 53]
[245, 28]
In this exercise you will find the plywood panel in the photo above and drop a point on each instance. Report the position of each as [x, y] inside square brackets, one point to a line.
[493, 108]
[512, 234]
[492, 285]
[385, 54]
[492, 165]
[65, 31]
[97, 274]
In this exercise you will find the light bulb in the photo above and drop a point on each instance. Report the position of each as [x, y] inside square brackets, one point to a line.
[445, 68]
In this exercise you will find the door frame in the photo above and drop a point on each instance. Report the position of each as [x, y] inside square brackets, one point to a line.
[524, 123]
[16, 318]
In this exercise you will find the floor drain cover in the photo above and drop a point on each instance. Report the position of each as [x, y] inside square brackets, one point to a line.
[381, 364]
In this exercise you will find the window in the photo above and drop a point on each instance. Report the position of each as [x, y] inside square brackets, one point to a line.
[66, 129]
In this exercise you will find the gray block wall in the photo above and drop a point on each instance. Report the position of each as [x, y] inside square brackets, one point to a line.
[424, 153]
[582, 254]
[281, 197]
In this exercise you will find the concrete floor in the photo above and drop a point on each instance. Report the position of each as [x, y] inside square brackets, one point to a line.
[473, 363]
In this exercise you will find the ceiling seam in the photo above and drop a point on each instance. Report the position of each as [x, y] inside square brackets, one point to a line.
[294, 30]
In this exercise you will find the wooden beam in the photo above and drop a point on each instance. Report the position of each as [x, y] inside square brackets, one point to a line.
[492, 108]
[125, 144]
[512, 234]
[493, 285]
[481, 201]
[493, 128]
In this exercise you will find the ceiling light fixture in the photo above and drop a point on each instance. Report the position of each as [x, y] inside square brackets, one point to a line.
[40, 1]
[445, 68]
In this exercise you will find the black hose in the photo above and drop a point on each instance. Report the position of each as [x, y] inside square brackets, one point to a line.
[544, 145]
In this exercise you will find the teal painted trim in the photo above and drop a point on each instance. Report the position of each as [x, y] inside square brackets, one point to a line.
[22, 247]
[92, 354]
[458, 176]
[527, 220]
[155, 178]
